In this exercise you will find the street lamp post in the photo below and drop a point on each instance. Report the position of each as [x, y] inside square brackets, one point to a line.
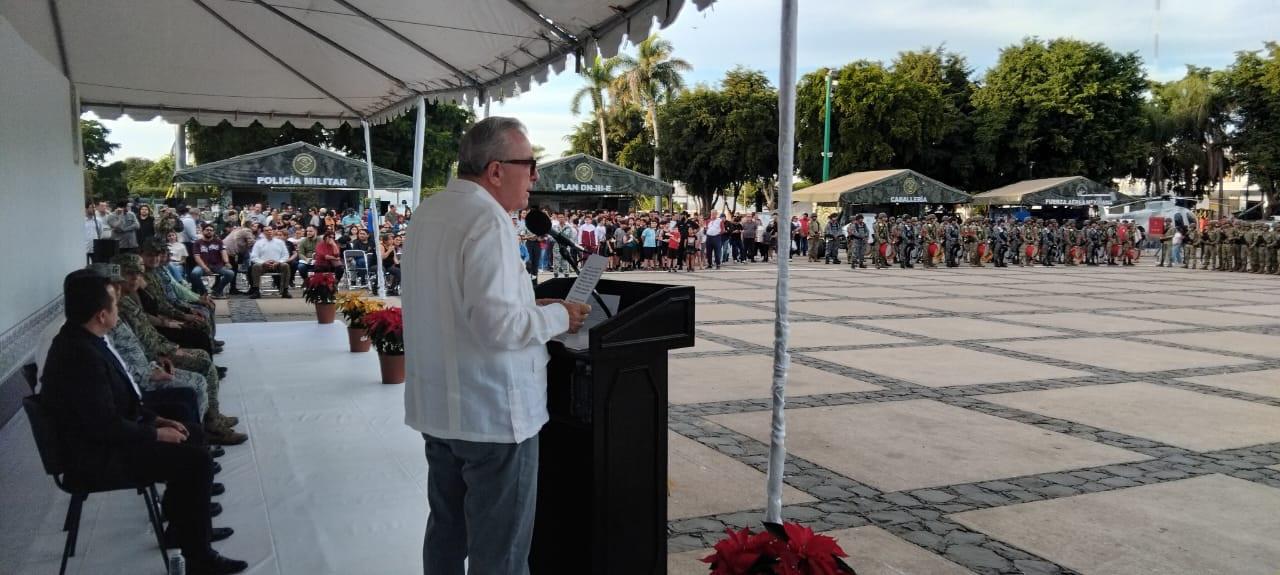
[826, 134]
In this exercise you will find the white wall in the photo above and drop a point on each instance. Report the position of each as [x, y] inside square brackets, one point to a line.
[41, 189]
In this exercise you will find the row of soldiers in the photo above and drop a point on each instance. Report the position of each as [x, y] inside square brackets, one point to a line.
[905, 241]
[1228, 245]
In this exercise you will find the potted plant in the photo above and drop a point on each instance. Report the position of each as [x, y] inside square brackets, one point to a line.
[787, 549]
[354, 306]
[386, 329]
[321, 290]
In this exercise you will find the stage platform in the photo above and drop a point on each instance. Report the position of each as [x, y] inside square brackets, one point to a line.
[330, 481]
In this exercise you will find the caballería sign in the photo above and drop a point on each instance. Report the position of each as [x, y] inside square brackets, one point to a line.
[908, 199]
[303, 165]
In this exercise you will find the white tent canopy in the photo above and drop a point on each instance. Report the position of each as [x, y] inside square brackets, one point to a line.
[326, 61]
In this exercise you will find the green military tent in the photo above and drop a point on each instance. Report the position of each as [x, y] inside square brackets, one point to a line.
[892, 191]
[585, 182]
[1073, 191]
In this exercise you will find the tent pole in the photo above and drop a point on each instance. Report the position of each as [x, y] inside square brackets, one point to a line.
[781, 327]
[418, 135]
[373, 209]
[180, 147]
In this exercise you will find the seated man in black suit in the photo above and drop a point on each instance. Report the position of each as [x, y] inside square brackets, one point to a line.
[106, 431]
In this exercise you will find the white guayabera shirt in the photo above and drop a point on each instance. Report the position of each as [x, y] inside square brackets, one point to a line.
[475, 353]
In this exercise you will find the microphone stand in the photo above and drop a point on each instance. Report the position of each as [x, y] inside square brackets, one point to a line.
[569, 256]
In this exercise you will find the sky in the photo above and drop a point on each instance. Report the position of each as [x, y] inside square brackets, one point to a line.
[834, 32]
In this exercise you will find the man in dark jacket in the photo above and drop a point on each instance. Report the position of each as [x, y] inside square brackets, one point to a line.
[107, 433]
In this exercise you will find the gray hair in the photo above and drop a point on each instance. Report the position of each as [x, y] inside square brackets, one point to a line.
[485, 142]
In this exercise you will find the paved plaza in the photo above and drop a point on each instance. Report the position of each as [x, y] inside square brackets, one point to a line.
[1074, 420]
[1088, 420]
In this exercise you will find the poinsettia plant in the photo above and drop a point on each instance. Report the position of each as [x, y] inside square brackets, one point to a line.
[320, 288]
[354, 305]
[386, 328]
[787, 549]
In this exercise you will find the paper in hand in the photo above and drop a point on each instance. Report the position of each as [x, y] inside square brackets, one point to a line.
[588, 276]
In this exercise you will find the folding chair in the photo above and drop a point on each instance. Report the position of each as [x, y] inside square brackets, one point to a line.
[46, 436]
[357, 262]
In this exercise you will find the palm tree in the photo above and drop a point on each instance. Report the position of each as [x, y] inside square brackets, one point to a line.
[599, 77]
[649, 78]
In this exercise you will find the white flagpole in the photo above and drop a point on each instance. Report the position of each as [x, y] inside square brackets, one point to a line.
[419, 129]
[781, 327]
[373, 211]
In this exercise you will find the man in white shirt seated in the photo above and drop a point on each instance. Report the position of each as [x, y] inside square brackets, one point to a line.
[476, 359]
[270, 255]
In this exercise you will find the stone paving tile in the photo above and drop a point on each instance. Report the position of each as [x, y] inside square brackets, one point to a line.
[964, 305]
[1210, 524]
[728, 311]
[806, 334]
[1083, 321]
[922, 443]
[1175, 416]
[1264, 382]
[867, 292]
[1120, 354]
[1181, 299]
[944, 365]
[967, 290]
[700, 346]
[723, 378]
[1071, 302]
[763, 295]
[705, 482]
[1228, 341]
[1270, 310]
[1262, 297]
[847, 308]
[1202, 317]
[958, 328]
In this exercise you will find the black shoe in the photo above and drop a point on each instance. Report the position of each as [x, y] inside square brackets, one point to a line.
[215, 509]
[217, 489]
[222, 372]
[219, 342]
[217, 534]
[216, 452]
[215, 564]
[217, 468]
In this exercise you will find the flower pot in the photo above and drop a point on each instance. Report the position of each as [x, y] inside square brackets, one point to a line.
[325, 312]
[359, 339]
[392, 368]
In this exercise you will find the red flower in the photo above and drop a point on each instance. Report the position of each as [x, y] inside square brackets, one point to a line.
[386, 328]
[806, 553]
[737, 554]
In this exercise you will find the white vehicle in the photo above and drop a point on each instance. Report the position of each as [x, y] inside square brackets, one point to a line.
[1143, 211]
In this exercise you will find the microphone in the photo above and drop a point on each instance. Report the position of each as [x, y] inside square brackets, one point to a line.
[539, 224]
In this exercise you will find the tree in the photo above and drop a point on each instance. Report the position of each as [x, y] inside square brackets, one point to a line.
[93, 135]
[393, 142]
[148, 178]
[599, 77]
[222, 141]
[1253, 86]
[1064, 106]
[750, 128]
[647, 80]
[626, 132]
[950, 155]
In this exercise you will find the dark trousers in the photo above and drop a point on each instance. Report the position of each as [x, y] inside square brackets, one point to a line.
[187, 471]
[749, 247]
[735, 245]
[176, 403]
[482, 498]
[714, 250]
[189, 337]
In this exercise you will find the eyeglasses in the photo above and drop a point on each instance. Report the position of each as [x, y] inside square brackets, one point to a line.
[532, 163]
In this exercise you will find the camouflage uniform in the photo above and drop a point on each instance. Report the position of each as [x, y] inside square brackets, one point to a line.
[1208, 245]
[140, 367]
[1273, 247]
[980, 238]
[157, 347]
[1190, 246]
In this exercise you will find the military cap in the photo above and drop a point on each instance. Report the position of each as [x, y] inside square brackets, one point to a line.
[129, 264]
[154, 246]
[106, 270]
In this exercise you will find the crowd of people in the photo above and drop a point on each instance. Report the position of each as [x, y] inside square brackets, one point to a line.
[253, 242]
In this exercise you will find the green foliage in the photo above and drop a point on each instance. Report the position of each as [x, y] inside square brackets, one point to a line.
[393, 142]
[222, 141]
[1070, 107]
[107, 183]
[148, 178]
[719, 140]
[1253, 85]
[627, 135]
[599, 80]
[96, 147]
[648, 79]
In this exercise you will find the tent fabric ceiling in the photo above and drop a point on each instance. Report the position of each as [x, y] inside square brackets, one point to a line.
[325, 61]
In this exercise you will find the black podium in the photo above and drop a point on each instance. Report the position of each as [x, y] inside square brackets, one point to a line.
[602, 474]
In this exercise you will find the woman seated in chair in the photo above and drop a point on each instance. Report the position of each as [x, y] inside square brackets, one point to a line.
[390, 262]
[328, 258]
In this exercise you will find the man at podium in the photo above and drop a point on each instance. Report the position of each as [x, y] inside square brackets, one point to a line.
[476, 357]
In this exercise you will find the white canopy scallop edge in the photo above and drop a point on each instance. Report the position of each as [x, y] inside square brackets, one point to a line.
[318, 61]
